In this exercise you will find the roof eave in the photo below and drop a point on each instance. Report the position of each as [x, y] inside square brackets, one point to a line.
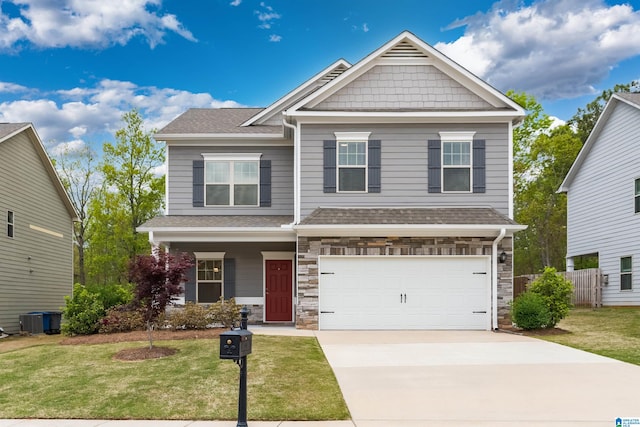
[413, 230]
[219, 234]
[209, 136]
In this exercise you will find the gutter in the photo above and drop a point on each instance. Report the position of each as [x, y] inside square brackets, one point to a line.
[494, 279]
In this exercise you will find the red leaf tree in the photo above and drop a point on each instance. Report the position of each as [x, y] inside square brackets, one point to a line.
[157, 278]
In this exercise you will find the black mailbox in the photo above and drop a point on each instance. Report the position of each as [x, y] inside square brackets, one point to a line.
[235, 344]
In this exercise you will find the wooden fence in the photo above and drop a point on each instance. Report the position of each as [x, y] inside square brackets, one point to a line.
[587, 286]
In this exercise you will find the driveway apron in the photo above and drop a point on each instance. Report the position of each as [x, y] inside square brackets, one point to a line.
[479, 378]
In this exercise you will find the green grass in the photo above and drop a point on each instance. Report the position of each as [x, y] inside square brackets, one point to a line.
[612, 332]
[288, 379]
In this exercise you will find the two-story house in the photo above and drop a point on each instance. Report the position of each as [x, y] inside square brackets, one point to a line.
[376, 195]
[603, 200]
[36, 233]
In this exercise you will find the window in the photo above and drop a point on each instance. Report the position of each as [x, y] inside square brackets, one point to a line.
[625, 273]
[232, 181]
[352, 166]
[10, 224]
[456, 166]
[209, 277]
[637, 196]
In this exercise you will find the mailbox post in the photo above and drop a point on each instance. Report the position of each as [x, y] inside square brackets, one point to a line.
[236, 345]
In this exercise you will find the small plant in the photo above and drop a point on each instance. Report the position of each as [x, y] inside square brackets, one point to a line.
[82, 312]
[224, 312]
[556, 291]
[192, 316]
[529, 311]
[121, 318]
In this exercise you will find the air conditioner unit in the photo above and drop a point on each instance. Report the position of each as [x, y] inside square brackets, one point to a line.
[31, 323]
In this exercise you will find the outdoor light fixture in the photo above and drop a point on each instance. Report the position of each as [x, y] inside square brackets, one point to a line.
[503, 257]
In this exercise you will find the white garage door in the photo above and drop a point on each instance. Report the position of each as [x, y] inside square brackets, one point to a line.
[409, 292]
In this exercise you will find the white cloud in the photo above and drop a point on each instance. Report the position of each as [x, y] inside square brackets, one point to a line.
[266, 16]
[275, 38]
[235, 3]
[551, 49]
[11, 88]
[94, 113]
[86, 23]
[365, 27]
[64, 148]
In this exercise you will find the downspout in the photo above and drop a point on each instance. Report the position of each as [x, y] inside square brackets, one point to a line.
[494, 279]
[296, 167]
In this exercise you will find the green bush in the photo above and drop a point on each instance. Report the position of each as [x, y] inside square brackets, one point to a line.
[121, 318]
[192, 316]
[226, 312]
[112, 295]
[530, 311]
[82, 312]
[556, 291]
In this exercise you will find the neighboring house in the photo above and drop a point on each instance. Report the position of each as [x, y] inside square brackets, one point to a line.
[374, 196]
[603, 200]
[36, 240]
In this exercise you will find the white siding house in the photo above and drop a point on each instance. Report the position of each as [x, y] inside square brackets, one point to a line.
[603, 200]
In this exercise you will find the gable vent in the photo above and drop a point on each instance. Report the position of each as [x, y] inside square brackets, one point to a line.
[404, 49]
[332, 75]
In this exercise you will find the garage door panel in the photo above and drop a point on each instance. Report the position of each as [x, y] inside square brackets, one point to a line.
[404, 293]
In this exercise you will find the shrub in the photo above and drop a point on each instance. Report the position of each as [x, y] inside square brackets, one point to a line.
[529, 311]
[192, 316]
[112, 295]
[226, 312]
[82, 312]
[121, 318]
[556, 291]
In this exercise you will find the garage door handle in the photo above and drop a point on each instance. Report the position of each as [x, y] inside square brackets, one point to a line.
[324, 272]
[405, 298]
[327, 312]
[480, 312]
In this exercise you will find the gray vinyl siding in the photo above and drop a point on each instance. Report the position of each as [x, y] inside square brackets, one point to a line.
[180, 181]
[36, 268]
[248, 261]
[600, 202]
[404, 167]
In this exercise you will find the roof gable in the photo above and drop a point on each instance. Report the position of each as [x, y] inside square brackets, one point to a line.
[632, 99]
[408, 50]
[9, 130]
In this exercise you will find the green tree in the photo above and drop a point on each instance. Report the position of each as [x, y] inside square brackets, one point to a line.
[585, 119]
[78, 173]
[129, 167]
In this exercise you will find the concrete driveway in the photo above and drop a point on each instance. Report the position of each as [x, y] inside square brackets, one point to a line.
[438, 378]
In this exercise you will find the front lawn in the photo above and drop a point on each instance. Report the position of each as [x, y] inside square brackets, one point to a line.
[288, 379]
[612, 332]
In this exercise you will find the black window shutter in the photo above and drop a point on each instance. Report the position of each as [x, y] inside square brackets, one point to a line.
[190, 285]
[265, 183]
[433, 151]
[479, 166]
[229, 272]
[329, 158]
[374, 154]
[198, 183]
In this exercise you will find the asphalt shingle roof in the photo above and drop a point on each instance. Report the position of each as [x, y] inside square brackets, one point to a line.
[633, 97]
[9, 128]
[396, 216]
[216, 120]
[217, 221]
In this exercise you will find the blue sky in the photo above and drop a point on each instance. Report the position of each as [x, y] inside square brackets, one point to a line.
[73, 67]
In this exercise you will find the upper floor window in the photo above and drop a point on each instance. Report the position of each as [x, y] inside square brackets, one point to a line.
[232, 180]
[456, 163]
[352, 161]
[456, 166]
[10, 224]
[637, 196]
[626, 267]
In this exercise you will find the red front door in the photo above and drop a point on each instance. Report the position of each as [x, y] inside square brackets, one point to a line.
[279, 292]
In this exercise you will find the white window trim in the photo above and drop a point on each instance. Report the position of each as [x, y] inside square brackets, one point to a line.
[630, 273]
[209, 256]
[462, 136]
[353, 137]
[231, 157]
